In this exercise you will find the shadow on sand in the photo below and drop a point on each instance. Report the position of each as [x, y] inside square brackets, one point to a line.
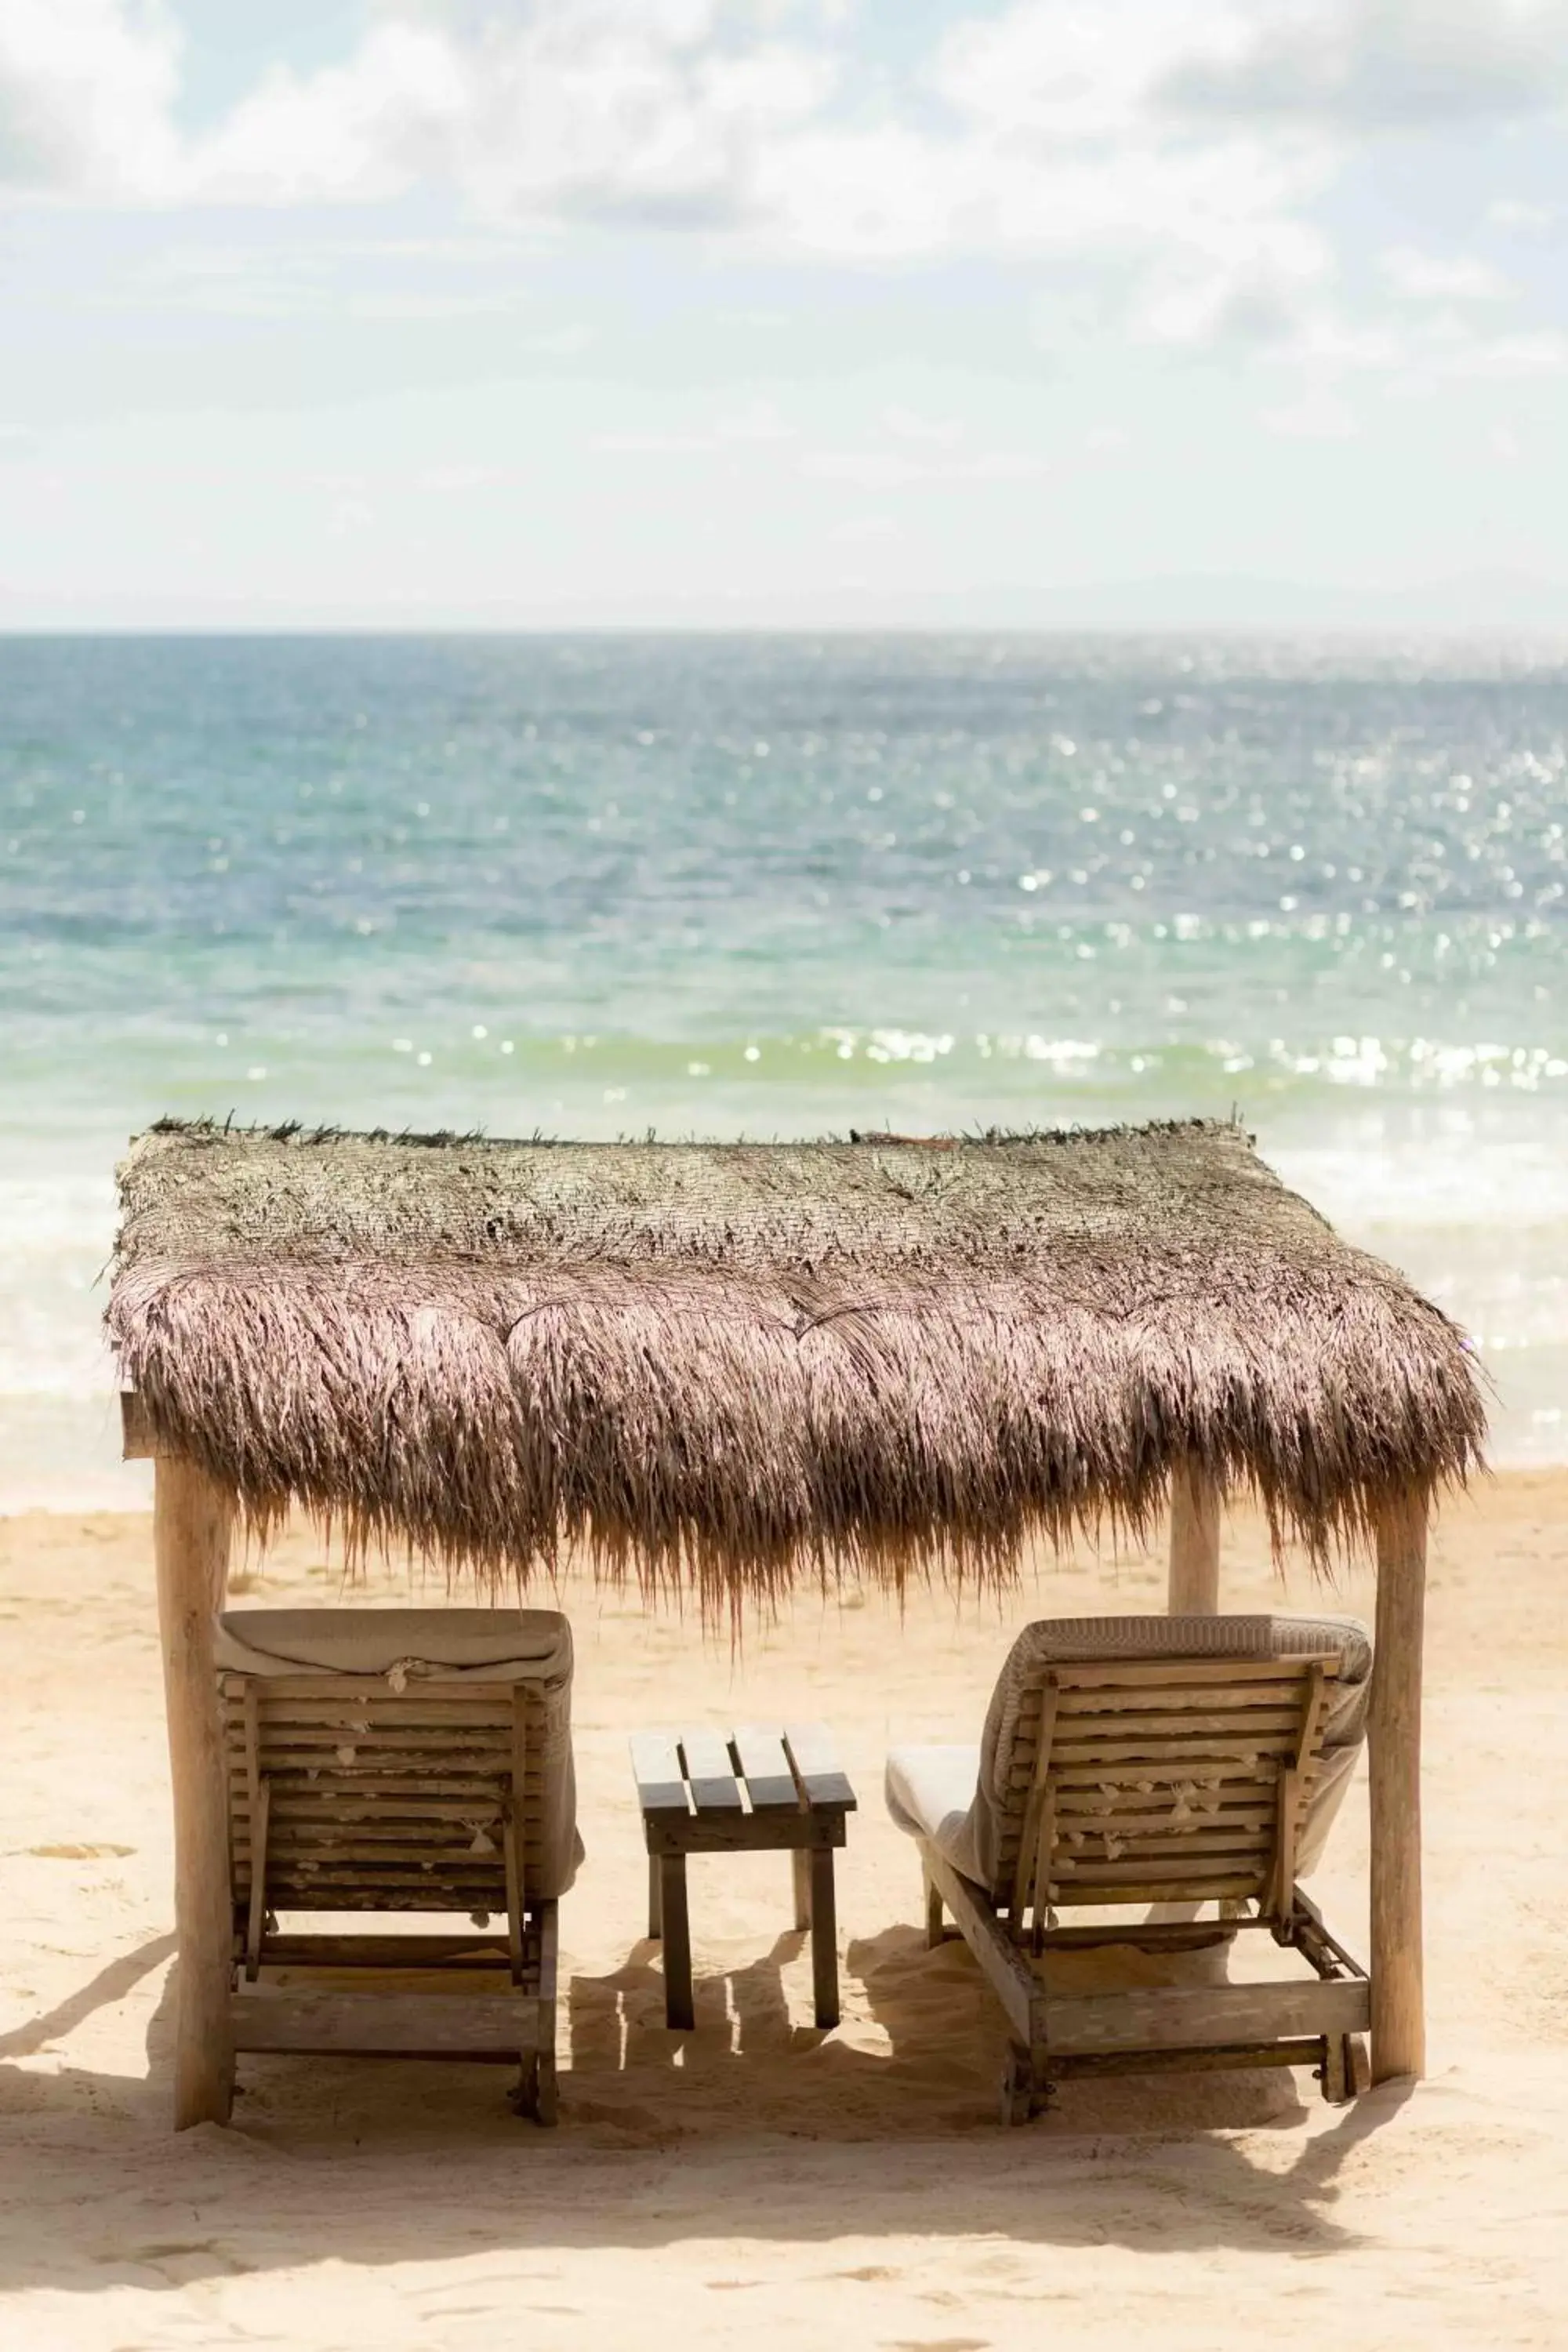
[375, 2163]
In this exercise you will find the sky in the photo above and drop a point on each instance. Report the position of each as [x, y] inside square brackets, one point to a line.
[803, 313]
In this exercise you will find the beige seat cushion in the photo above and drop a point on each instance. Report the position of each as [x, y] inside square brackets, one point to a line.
[957, 1796]
[931, 1793]
[398, 1647]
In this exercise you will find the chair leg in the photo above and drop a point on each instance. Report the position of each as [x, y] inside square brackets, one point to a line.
[537, 2094]
[547, 2098]
[1334, 2071]
[1347, 2071]
[524, 2097]
[654, 1903]
[933, 1916]
[1025, 2092]
[679, 2006]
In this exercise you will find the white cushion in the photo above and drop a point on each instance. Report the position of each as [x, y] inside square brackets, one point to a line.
[931, 1793]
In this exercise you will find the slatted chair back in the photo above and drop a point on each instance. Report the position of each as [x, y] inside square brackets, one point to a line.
[353, 1796]
[1153, 1780]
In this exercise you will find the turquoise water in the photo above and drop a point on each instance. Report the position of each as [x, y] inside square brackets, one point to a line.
[778, 885]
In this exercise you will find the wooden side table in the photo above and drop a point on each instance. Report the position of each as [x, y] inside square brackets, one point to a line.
[756, 1791]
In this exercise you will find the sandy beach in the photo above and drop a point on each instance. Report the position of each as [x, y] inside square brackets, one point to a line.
[760, 2180]
[783, 783]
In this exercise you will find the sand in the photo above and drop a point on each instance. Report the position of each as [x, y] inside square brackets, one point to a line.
[761, 2181]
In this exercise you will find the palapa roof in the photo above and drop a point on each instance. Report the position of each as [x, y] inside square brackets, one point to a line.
[718, 1363]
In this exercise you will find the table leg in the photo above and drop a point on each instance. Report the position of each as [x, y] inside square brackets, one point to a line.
[800, 1861]
[678, 2005]
[655, 1906]
[824, 1938]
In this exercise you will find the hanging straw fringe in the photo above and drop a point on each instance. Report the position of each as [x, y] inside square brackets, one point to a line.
[717, 1367]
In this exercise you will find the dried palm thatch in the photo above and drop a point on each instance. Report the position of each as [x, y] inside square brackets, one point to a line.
[719, 1364]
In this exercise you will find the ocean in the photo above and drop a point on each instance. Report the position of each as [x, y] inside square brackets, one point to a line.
[782, 886]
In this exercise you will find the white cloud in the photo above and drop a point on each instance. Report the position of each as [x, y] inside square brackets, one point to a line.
[1413, 352]
[1318, 414]
[1419, 277]
[863, 531]
[757, 425]
[1159, 161]
[445, 480]
[363, 130]
[1502, 359]
[1076, 75]
[87, 95]
[284, 277]
[909, 424]
[1247, 297]
[758, 422]
[652, 445]
[650, 110]
[1513, 214]
[348, 516]
[1034, 132]
[1375, 64]
[565, 343]
[1112, 69]
[608, 109]
[898, 470]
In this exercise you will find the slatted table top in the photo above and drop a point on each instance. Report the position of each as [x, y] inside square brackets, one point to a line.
[753, 1771]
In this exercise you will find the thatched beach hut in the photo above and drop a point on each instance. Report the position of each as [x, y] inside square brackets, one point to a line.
[726, 1368]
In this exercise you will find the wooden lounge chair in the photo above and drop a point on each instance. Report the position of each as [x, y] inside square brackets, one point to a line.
[1185, 1761]
[400, 1760]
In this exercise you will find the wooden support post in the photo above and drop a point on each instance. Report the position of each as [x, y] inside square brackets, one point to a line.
[193, 1520]
[1194, 1543]
[1194, 1582]
[1393, 1738]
